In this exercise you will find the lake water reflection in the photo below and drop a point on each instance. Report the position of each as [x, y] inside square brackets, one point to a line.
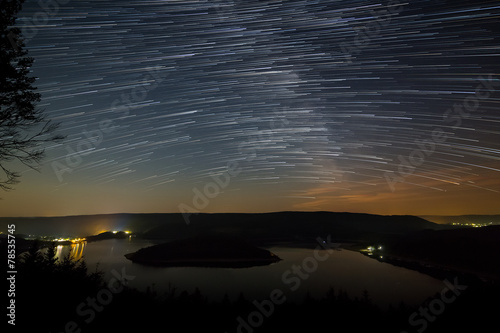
[347, 270]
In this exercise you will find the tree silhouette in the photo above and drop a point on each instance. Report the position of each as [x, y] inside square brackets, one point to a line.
[23, 127]
[50, 258]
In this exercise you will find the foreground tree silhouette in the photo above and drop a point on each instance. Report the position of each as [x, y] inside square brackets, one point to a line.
[49, 289]
[23, 127]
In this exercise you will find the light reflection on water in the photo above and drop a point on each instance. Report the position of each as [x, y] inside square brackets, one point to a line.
[347, 270]
[76, 250]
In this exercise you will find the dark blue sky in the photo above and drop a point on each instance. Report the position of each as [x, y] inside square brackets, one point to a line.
[383, 107]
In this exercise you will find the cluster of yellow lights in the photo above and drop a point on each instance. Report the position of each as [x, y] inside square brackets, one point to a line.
[72, 240]
[474, 225]
[371, 249]
[78, 240]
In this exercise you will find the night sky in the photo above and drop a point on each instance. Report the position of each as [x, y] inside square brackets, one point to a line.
[386, 107]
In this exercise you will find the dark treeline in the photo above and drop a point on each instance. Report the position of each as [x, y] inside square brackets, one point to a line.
[66, 296]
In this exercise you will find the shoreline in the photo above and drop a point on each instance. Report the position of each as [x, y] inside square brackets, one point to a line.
[435, 270]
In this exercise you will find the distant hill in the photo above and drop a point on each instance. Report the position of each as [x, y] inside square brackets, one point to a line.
[83, 225]
[287, 226]
[211, 251]
[463, 219]
[280, 226]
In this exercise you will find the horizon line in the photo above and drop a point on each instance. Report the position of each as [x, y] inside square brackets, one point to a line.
[271, 212]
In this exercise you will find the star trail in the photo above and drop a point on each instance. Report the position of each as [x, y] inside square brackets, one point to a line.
[366, 106]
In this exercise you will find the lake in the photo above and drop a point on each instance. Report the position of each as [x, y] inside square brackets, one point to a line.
[296, 275]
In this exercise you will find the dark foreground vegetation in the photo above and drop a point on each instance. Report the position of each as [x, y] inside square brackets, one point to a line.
[66, 296]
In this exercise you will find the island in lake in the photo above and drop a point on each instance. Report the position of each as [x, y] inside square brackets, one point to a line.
[204, 251]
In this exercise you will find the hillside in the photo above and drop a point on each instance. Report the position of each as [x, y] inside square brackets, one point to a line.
[265, 227]
[294, 226]
[465, 249]
[462, 219]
